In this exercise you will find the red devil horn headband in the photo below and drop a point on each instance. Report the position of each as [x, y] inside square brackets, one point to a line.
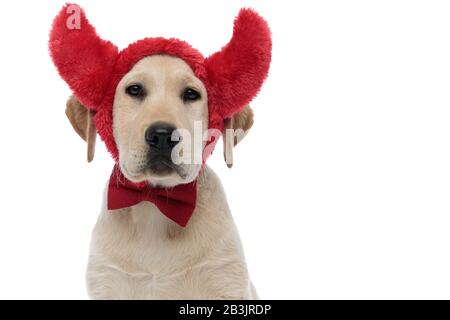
[93, 67]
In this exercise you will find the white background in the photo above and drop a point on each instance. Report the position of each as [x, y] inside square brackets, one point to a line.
[341, 189]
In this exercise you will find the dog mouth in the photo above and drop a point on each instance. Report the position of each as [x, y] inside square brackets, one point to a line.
[163, 166]
[156, 167]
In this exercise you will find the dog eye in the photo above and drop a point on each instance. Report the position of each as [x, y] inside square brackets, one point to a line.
[190, 95]
[135, 90]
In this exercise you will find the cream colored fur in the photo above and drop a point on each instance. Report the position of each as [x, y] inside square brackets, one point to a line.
[137, 253]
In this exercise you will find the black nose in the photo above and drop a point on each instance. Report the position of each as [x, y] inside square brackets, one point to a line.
[159, 137]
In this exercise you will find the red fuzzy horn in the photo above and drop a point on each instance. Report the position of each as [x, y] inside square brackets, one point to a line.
[237, 72]
[83, 59]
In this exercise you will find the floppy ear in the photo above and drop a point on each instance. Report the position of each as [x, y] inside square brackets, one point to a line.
[83, 60]
[237, 72]
[80, 118]
[239, 124]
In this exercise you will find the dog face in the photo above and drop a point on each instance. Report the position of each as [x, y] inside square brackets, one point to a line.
[160, 108]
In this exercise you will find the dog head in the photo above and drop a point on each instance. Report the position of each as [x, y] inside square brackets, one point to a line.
[159, 105]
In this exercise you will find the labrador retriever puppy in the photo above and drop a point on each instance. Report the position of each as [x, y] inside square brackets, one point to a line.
[138, 253]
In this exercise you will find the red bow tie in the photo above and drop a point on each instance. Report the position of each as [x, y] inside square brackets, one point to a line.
[176, 203]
